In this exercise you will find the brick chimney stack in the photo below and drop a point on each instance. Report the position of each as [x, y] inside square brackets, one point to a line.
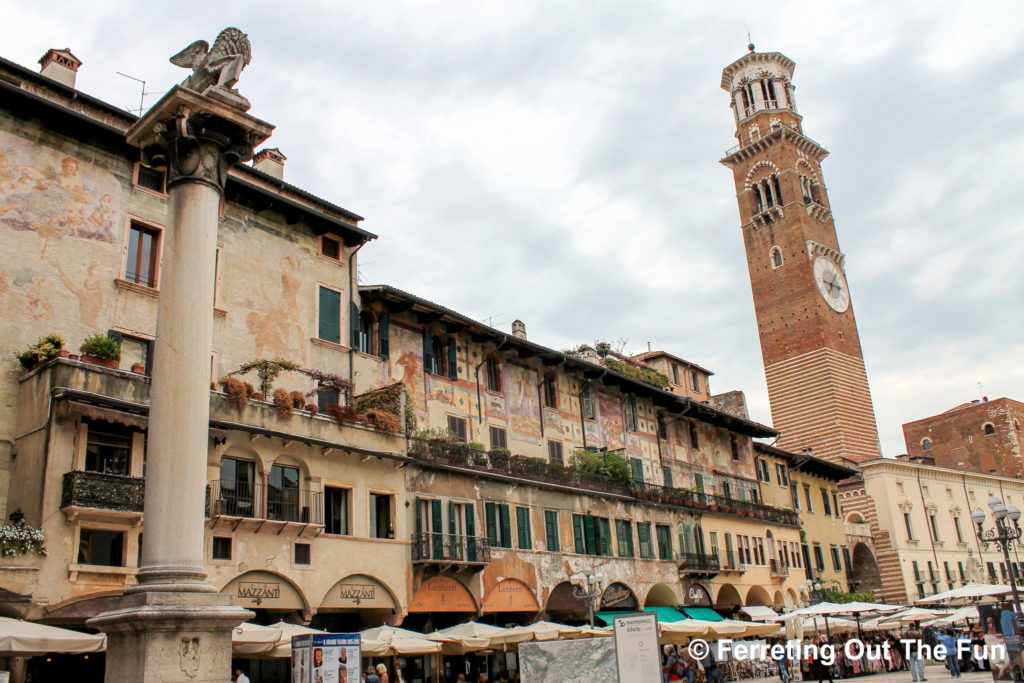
[519, 329]
[269, 160]
[60, 65]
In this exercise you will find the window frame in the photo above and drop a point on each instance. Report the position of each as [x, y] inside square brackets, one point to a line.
[631, 414]
[491, 431]
[320, 287]
[213, 549]
[100, 530]
[320, 249]
[492, 375]
[156, 255]
[552, 531]
[136, 168]
[348, 499]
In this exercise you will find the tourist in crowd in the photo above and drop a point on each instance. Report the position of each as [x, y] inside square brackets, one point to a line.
[370, 676]
[822, 669]
[669, 661]
[948, 641]
[382, 672]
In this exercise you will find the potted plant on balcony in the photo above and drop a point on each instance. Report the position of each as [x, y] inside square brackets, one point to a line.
[499, 457]
[138, 368]
[101, 350]
[50, 346]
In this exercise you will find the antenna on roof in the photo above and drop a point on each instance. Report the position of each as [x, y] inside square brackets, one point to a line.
[142, 95]
[490, 321]
[648, 347]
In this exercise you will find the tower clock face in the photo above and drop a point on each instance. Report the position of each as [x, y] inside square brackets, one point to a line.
[831, 284]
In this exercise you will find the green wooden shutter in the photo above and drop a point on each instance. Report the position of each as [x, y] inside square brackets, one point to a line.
[384, 335]
[668, 476]
[643, 536]
[604, 533]
[590, 534]
[620, 537]
[354, 325]
[330, 315]
[451, 518]
[588, 402]
[637, 466]
[523, 528]
[453, 361]
[419, 516]
[470, 533]
[551, 530]
[577, 534]
[437, 527]
[492, 523]
[506, 526]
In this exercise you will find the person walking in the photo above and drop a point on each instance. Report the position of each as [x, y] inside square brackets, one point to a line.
[948, 641]
[822, 666]
[668, 664]
[371, 675]
[382, 671]
[914, 652]
[240, 676]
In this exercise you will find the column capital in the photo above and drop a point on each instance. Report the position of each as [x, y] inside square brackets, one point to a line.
[198, 136]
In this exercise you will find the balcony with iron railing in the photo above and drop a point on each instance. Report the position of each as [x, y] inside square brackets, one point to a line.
[102, 491]
[245, 500]
[699, 564]
[777, 569]
[776, 130]
[451, 549]
[731, 563]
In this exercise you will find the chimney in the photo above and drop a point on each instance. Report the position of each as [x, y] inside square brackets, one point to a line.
[519, 329]
[270, 161]
[60, 65]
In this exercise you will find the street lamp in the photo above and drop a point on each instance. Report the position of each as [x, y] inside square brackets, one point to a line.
[1004, 536]
[587, 586]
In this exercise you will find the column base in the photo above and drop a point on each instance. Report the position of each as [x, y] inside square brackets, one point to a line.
[175, 637]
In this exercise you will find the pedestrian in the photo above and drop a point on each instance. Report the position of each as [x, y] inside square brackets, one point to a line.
[371, 675]
[240, 676]
[668, 664]
[711, 671]
[821, 664]
[382, 671]
[913, 651]
[948, 641]
[782, 661]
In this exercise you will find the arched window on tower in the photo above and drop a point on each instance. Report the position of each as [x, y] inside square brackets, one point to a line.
[989, 429]
[776, 257]
[768, 90]
[805, 189]
[926, 445]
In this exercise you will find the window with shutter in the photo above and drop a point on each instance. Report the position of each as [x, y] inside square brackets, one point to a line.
[578, 537]
[490, 513]
[590, 535]
[637, 466]
[664, 542]
[604, 529]
[551, 530]
[631, 418]
[624, 536]
[587, 398]
[504, 527]
[643, 537]
[329, 312]
[359, 338]
[666, 475]
[453, 363]
[499, 438]
[383, 336]
[428, 352]
[523, 528]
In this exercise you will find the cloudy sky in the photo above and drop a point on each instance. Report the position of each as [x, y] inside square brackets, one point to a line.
[558, 162]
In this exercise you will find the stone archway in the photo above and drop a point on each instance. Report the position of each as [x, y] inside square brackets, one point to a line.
[728, 597]
[778, 601]
[757, 595]
[865, 569]
[661, 595]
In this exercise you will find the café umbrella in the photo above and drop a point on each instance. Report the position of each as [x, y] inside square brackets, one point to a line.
[25, 639]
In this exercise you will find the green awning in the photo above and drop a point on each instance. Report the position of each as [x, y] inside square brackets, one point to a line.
[607, 617]
[705, 613]
[666, 614]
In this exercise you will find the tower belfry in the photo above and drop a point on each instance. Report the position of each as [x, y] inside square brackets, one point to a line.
[817, 384]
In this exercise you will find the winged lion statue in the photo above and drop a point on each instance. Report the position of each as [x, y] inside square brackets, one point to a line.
[220, 65]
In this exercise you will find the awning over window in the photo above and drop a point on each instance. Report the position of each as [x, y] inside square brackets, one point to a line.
[705, 613]
[665, 614]
[608, 617]
[760, 612]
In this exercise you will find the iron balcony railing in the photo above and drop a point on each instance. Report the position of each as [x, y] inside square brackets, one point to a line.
[699, 563]
[429, 547]
[775, 130]
[777, 568]
[104, 491]
[227, 498]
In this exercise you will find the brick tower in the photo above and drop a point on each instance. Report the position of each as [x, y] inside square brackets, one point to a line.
[817, 385]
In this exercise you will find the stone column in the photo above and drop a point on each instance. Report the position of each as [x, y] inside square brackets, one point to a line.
[173, 626]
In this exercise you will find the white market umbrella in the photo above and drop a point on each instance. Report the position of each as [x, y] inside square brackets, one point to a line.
[398, 641]
[910, 615]
[861, 607]
[471, 636]
[283, 648]
[823, 624]
[970, 592]
[961, 614]
[26, 639]
[542, 630]
[253, 639]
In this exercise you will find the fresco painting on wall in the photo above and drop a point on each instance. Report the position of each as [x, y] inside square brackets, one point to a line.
[56, 195]
[495, 408]
[524, 406]
[611, 426]
[409, 366]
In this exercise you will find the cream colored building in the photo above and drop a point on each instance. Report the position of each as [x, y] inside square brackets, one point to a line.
[920, 518]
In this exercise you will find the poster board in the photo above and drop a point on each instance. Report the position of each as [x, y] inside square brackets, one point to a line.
[586, 660]
[637, 655]
[326, 658]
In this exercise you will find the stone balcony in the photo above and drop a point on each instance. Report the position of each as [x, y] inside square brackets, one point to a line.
[86, 493]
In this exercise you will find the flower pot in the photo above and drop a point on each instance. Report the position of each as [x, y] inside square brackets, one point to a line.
[92, 359]
[64, 353]
[138, 368]
[74, 356]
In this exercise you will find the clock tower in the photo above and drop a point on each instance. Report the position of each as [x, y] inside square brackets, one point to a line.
[817, 385]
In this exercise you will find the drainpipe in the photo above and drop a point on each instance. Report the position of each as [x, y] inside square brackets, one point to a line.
[476, 372]
[351, 300]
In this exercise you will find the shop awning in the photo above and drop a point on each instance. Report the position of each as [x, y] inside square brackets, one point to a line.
[705, 613]
[760, 612]
[666, 614]
[607, 617]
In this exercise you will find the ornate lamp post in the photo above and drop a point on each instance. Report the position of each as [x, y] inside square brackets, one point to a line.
[587, 585]
[1006, 531]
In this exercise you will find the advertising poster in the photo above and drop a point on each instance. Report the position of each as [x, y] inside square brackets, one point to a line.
[999, 631]
[326, 658]
[637, 653]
